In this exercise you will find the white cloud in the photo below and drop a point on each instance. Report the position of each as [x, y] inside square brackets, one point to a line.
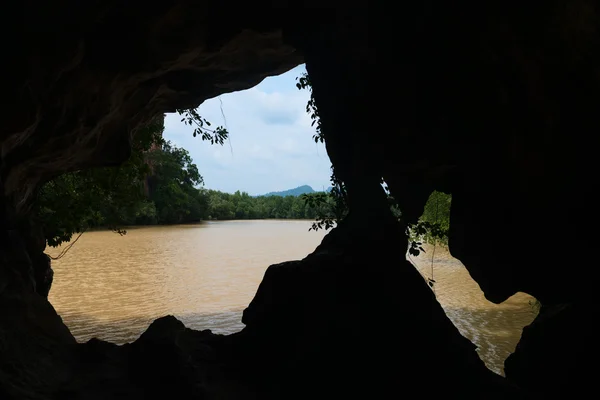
[270, 147]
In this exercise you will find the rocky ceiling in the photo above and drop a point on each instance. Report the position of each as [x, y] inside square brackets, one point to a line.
[495, 102]
[82, 78]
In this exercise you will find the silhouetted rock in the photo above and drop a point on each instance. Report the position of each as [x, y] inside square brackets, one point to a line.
[37, 351]
[44, 275]
[167, 361]
[548, 359]
[335, 325]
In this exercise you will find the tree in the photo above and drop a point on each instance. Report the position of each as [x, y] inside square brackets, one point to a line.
[173, 185]
[240, 205]
[111, 196]
[328, 207]
[434, 224]
[436, 218]
[115, 196]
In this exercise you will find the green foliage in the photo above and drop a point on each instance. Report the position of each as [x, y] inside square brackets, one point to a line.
[112, 196]
[434, 224]
[115, 197]
[201, 127]
[174, 186]
[317, 201]
[330, 206]
[311, 107]
[240, 205]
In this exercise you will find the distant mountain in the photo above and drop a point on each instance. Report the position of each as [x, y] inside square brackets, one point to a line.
[292, 192]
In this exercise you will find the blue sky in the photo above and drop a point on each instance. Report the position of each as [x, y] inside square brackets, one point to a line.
[270, 146]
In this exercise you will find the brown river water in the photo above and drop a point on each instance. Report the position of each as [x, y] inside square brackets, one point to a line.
[111, 287]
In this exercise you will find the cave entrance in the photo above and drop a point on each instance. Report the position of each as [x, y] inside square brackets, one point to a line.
[213, 218]
[203, 260]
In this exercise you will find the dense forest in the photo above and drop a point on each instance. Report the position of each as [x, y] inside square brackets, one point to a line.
[240, 205]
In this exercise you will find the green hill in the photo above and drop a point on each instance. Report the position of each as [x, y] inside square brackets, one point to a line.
[292, 192]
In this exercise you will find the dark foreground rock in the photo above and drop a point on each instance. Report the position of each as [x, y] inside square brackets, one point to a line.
[548, 358]
[355, 318]
[167, 361]
[37, 351]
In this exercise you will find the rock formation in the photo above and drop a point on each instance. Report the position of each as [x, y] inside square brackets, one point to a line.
[494, 102]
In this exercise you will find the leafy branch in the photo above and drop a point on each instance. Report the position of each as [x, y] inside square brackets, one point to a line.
[201, 127]
[330, 206]
[424, 231]
[319, 201]
[311, 107]
[432, 227]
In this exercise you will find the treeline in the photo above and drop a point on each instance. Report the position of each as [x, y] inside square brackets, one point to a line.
[160, 184]
[241, 205]
[175, 196]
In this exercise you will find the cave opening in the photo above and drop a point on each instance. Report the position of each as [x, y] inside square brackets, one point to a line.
[205, 272]
[198, 252]
[504, 98]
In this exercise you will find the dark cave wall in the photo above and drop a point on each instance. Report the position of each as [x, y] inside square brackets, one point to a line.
[498, 107]
[493, 104]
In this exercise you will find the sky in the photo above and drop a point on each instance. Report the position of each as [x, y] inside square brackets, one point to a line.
[270, 146]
